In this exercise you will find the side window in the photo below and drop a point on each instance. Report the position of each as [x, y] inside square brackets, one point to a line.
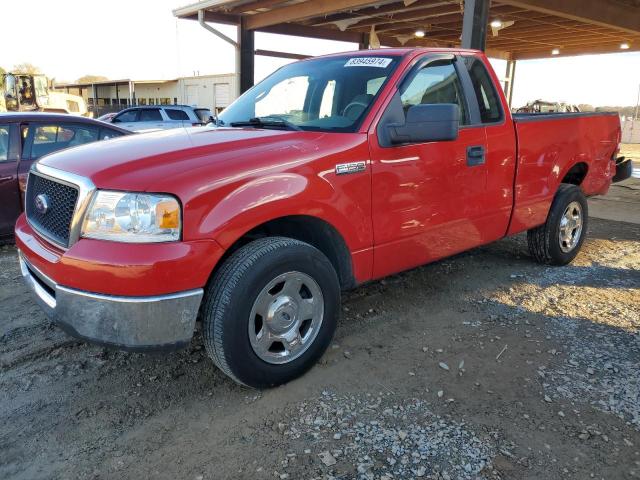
[106, 134]
[4, 143]
[51, 138]
[126, 117]
[435, 83]
[45, 134]
[79, 134]
[150, 115]
[174, 114]
[488, 100]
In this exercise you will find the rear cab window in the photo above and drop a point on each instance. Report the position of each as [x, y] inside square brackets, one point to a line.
[484, 88]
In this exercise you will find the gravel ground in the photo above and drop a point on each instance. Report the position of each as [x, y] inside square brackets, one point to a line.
[485, 365]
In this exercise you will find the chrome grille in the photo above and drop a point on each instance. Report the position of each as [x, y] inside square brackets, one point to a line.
[55, 221]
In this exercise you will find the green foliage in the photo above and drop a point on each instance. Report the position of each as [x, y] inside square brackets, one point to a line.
[91, 79]
[27, 68]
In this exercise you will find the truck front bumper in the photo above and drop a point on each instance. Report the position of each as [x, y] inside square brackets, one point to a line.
[145, 323]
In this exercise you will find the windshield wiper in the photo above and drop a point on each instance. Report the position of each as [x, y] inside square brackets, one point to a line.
[266, 122]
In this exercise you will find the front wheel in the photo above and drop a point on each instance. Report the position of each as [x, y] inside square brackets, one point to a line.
[559, 240]
[270, 311]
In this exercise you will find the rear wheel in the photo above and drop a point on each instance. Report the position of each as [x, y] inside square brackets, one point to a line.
[559, 240]
[271, 311]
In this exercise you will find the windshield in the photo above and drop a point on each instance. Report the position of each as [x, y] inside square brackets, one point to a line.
[325, 94]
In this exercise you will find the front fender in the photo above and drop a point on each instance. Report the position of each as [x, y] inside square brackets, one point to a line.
[288, 194]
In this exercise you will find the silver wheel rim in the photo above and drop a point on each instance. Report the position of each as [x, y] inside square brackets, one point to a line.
[286, 317]
[570, 227]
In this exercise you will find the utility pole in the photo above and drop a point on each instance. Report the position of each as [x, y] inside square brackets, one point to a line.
[635, 115]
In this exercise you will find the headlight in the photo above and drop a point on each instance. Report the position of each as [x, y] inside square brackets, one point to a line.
[132, 217]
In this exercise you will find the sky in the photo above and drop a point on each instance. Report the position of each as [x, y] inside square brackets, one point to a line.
[141, 39]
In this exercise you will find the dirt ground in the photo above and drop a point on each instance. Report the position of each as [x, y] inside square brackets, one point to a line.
[485, 365]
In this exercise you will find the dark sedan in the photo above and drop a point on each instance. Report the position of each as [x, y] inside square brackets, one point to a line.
[25, 137]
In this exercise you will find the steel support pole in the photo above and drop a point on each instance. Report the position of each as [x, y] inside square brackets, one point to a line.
[233, 43]
[364, 42]
[131, 94]
[635, 115]
[474, 24]
[95, 100]
[247, 57]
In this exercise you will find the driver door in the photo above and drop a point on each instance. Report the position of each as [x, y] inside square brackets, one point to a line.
[428, 197]
[9, 191]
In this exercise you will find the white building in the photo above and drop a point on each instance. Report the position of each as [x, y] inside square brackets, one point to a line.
[215, 92]
[630, 130]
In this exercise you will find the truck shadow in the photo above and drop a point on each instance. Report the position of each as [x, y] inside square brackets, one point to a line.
[612, 230]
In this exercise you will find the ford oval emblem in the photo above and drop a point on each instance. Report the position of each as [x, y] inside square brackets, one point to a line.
[41, 203]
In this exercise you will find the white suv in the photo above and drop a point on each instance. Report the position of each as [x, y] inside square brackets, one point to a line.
[161, 117]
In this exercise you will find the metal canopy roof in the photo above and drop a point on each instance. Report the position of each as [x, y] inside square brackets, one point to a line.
[540, 28]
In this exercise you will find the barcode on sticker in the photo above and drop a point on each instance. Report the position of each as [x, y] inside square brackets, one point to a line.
[378, 62]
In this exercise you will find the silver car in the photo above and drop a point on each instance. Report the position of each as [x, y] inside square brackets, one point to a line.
[161, 117]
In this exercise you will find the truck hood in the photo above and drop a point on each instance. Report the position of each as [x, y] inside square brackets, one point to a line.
[149, 161]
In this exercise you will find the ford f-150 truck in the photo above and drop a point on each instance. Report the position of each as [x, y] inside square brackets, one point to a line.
[331, 172]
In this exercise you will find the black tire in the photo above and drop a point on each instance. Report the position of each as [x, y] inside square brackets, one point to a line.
[230, 296]
[544, 244]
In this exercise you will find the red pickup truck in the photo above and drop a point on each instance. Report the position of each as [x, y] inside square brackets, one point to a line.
[331, 172]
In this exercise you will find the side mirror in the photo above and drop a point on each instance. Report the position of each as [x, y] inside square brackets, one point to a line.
[427, 123]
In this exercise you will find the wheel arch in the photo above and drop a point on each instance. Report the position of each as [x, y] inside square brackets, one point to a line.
[575, 174]
[309, 229]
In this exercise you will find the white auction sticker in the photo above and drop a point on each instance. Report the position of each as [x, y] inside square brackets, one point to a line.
[378, 62]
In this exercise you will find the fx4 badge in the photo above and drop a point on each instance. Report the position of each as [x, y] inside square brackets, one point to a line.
[353, 167]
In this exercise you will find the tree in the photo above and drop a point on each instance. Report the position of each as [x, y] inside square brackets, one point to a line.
[91, 79]
[2, 71]
[25, 68]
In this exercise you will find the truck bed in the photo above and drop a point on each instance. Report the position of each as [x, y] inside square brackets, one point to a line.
[553, 146]
[545, 116]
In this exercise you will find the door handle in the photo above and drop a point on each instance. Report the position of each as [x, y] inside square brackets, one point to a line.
[475, 156]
